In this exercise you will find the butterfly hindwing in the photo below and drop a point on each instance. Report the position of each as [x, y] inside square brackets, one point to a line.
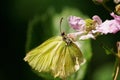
[70, 58]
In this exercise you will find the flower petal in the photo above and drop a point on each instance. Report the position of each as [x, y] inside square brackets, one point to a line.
[76, 23]
[97, 19]
[109, 26]
[88, 36]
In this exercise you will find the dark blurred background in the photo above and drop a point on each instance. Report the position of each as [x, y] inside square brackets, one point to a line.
[18, 15]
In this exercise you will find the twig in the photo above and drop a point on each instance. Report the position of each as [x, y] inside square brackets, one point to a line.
[117, 67]
[106, 7]
[116, 73]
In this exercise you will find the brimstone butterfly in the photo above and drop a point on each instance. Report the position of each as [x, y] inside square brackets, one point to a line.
[59, 56]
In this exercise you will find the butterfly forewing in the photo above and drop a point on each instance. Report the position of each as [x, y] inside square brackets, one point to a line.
[41, 56]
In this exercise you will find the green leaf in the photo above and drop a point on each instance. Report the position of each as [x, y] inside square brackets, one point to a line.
[108, 50]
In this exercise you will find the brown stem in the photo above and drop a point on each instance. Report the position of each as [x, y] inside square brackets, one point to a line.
[118, 46]
[117, 68]
[116, 72]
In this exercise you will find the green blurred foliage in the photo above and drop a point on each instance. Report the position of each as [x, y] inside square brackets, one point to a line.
[30, 22]
[104, 72]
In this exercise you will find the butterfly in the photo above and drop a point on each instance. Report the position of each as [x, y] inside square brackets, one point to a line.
[58, 55]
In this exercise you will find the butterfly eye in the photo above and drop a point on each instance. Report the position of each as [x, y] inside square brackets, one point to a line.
[63, 33]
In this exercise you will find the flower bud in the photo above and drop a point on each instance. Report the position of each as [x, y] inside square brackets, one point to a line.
[117, 9]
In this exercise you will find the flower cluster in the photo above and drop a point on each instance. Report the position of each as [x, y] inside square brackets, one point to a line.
[90, 28]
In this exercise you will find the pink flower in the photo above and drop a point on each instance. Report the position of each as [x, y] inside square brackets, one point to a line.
[90, 27]
[83, 27]
[110, 26]
[76, 23]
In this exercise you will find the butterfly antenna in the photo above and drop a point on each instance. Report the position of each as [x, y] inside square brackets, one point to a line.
[60, 25]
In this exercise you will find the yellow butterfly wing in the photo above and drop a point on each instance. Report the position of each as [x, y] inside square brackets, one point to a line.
[69, 58]
[40, 58]
[55, 56]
